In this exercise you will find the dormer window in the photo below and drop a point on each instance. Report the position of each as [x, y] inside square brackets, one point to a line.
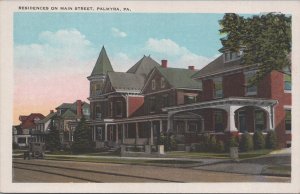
[232, 55]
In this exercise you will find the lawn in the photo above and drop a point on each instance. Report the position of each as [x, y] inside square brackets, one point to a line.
[242, 155]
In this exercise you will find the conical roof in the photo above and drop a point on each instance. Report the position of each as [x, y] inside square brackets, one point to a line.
[103, 64]
[143, 66]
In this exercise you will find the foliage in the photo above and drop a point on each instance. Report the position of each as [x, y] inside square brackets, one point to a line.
[258, 140]
[265, 39]
[220, 146]
[246, 143]
[82, 138]
[52, 141]
[233, 142]
[271, 140]
[168, 140]
[206, 142]
[213, 144]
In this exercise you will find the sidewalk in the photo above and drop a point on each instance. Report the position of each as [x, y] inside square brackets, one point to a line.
[277, 163]
[202, 161]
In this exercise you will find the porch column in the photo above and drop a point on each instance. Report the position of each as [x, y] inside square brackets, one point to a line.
[230, 118]
[117, 133]
[105, 130]
[160, 126]
[270, 114]
[151, 133]
[170, 122]
[123, 133]
[95, 133]
[185, 125]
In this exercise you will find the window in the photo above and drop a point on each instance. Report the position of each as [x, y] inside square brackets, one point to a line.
[22, 140]
[259, 120]
[110, 109]
[86, 111]
[153, 84]
[98, 112]
[288, 120]
[165, 100]
[192, 127]
[218, 117]
[250, 89]
[152, 106]
[230, 55]
[287, 82]
[189, 99]
[218, 88]
[119, 108]
[99, 133]
[180, 129]
[162, 82]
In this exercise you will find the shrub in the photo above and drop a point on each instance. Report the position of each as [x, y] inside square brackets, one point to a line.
[220, 146]
[168, 141]
[232, 142]
[206, 142]
[258, 140]
[246, 143]
[271, 140]
[212, 144]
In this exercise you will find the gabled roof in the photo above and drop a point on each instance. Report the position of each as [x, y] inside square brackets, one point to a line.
[72, 106]
[180, 78]
[143, 66]
[48, 117]
[66, 106]
[68, 114]
[121, 81]
[103, 64]
[29, 122]
[218, 66]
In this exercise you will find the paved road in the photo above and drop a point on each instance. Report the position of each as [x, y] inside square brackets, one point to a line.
[69, 171]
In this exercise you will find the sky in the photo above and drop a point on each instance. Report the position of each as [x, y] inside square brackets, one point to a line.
[54, 53]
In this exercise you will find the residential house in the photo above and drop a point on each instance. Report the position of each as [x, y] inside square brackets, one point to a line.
[67, 117]
[43, 126]
[136, 106]
[22, 133]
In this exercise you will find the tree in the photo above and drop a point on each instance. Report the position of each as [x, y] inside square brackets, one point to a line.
[265, 40]
[52, 141]
[82, 138]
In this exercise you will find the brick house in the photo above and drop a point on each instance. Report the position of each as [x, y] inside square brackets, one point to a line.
[229, 104]
[136, 106]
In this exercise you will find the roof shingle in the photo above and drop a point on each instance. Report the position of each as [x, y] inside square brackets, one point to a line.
[103, 64]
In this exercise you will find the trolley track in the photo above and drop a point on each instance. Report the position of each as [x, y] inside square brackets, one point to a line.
[84, 174]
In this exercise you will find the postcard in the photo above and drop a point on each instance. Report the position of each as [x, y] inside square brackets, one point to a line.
[149, 96]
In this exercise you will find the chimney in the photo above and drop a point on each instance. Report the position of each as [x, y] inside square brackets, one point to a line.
[51, 111]
[164, 63]
[79, 108]
[192, 67]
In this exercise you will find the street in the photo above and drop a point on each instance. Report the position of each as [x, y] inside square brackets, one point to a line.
[70, 171]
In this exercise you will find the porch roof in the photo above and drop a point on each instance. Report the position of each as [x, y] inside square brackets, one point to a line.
[155, 117]
[218, 103]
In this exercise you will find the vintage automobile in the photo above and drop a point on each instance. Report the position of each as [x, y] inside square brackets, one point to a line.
[36, 150]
